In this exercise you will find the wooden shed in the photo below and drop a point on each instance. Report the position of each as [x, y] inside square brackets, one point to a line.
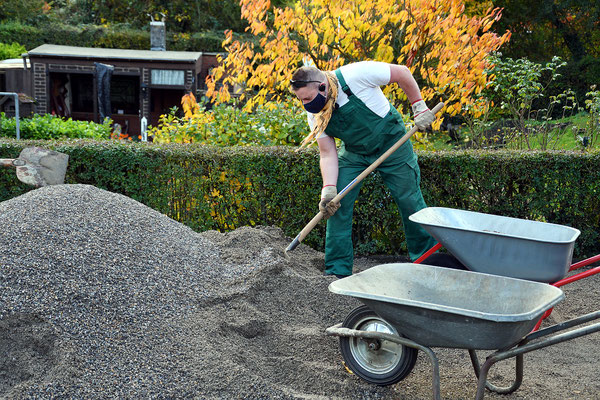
[72, 82]
[15, 78]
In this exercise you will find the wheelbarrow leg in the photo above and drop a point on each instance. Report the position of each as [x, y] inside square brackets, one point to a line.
[429, 252]
[481, 372]
[435, 371]
[535, 340]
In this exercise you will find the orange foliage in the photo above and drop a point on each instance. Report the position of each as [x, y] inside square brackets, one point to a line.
[190, 105]
[444, 48]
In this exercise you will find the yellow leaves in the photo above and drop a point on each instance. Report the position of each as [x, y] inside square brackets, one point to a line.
[384, 53]
[399, 18]
[487, 25]
[420, 137]
[435, 38]
[190, 105]
[454, 109]
[228, 38]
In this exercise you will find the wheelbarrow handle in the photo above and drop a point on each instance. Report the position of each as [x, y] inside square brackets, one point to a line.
[313, 222]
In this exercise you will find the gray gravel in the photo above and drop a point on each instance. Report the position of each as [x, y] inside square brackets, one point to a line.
[112, 277]
[103, 297]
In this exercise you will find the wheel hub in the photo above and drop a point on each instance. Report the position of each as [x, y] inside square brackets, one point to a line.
[377, 356]
[373, 344]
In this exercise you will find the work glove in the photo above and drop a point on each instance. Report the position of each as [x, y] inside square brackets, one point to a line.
[422, 115]
[326, 206]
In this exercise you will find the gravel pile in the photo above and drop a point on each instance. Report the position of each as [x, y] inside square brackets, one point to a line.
[103, 297]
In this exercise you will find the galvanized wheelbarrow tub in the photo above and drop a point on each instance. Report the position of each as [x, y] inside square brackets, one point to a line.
[499, 245]
[441, 307]
[418, 306]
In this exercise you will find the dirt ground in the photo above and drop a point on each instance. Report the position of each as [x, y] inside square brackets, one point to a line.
[229, 315]
[283, 303]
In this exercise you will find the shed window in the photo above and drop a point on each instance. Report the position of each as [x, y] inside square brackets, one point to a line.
[168, 77]
[125, 94]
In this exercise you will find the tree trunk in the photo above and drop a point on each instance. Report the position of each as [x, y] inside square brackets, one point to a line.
[569, 35]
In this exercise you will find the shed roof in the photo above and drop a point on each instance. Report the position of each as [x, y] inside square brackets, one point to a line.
[53, 50]
[13, 63]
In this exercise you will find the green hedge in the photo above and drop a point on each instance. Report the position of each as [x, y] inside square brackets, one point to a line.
[99, 36]
[558, 187]
[207, 187]
[48, 126]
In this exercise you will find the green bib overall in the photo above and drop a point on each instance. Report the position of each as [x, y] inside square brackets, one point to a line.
[365, 136]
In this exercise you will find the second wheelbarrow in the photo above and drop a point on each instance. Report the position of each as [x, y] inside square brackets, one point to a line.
[499, 245]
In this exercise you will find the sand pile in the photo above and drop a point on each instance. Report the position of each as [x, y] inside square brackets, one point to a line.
[102, 297]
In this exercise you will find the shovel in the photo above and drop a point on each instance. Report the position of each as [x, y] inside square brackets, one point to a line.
[309, 227]
[39, 167]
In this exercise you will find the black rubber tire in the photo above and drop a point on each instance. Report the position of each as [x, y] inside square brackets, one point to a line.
[389, 363]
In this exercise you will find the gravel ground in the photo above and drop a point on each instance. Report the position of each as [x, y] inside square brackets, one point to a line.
[102, 297]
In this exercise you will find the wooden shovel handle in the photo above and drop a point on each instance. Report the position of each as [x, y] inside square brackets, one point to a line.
[313, 222]
[11, 162]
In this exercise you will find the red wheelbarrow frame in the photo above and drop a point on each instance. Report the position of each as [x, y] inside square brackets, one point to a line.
[559, 283]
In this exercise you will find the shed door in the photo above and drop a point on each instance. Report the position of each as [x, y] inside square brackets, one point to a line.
[162, 100]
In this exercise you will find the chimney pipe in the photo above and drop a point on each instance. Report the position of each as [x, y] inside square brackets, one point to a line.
[158, 33]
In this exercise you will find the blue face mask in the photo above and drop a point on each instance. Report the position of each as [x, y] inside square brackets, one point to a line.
[316, 105]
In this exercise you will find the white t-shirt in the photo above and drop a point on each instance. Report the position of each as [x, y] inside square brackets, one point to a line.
[364, 79]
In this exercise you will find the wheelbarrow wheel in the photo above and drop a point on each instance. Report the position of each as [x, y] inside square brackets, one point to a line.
[379, 362]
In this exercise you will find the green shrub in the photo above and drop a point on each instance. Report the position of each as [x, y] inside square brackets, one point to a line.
[123, 39]
[223, 188]
[518, 83]
[26, 35]
[22, 10]
[13, 50]
[48, 126]
[519, 92]
[589, 136]
[209, 41]
[228, 125]
[54, 33]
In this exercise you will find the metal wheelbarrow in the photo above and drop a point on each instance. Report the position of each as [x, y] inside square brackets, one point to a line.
[506, 246]
[410, 307]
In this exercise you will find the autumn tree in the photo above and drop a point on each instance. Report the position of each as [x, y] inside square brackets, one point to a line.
[445, 49]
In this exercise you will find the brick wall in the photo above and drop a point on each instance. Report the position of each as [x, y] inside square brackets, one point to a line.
[40, 83]
[146, 97]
